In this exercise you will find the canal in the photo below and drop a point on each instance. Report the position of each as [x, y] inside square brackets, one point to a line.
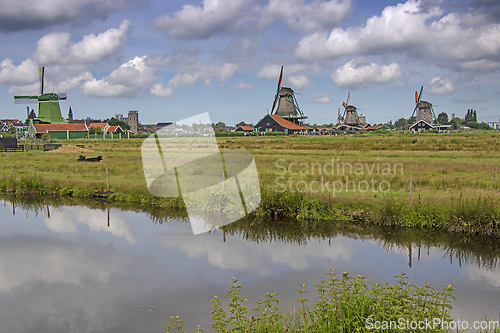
[83, 269]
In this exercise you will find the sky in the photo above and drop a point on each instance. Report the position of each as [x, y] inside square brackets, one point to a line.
[170, 60]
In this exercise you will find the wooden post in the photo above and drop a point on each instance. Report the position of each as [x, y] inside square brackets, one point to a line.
[107, 179]
[495, 181]
[411, 186]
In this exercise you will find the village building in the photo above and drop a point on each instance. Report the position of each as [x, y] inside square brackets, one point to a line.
[102, 126]
[246, 129]
[58, 131]
[274, 123]
[421, 125]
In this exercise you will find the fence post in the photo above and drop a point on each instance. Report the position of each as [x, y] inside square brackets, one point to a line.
[411, 186]
[107, 179]
[495, 182]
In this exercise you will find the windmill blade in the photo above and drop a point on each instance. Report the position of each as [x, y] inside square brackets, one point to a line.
[280, 81]
[275, 100]
[41, 71]
[420, 95]
[25, 99]
[62, 95]
[278, 89]
[416, 97]
[416, 107]
[348, 95]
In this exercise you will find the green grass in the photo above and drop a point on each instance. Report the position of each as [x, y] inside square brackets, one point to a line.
[451, 174]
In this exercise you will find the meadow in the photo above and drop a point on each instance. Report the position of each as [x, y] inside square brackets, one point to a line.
[431, 180]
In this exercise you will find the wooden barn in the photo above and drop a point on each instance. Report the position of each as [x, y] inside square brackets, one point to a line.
[58, 131]
[273, 123]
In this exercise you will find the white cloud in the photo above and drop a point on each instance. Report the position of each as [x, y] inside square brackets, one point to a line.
[469, 99]
[130, 79]
[243, 85]
[439, 86]
[300, 82]
[273, 71]
[57, 48]
[159, 90]
[202, 72]
[321, 98]
[200, 22]
[139, 75]
[453, 41]
[238, 16]
[26, 72]
[33, 14]
[306, 16]
[360, 72]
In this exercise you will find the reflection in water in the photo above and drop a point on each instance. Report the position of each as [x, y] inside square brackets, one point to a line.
[471, 250]
[98, 268]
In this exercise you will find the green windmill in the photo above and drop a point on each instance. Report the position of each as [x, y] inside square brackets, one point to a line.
[48, 104]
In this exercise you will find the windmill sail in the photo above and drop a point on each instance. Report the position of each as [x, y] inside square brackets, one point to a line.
[278, 90]
[48, 104]
[41, 71]
[25, 99]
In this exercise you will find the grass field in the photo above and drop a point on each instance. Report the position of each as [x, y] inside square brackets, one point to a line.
[361, 171]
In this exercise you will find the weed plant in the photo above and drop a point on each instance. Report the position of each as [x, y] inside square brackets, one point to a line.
[341, 304]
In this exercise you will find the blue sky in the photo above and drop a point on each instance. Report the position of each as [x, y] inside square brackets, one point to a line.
[170, 59]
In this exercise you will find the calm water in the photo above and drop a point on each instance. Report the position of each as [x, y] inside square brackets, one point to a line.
[67, 269]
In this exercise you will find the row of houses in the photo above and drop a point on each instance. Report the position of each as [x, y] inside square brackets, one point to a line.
[63, 131]
[275, 123]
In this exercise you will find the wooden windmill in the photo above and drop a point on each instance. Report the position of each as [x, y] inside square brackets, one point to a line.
[48, 104]
[425, 110]
[288, 108]
[350, 115]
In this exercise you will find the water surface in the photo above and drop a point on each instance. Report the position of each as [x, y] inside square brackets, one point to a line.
[77, 269]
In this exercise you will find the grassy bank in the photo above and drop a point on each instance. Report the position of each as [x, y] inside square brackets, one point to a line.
[315, 180]
[341, 304]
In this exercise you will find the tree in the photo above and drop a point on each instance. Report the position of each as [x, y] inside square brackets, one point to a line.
[456, 122]
[45, 137]
[470, 116]
[116, 122]
[241, 123]
[443, 118]
[401, 123]
[95, 130]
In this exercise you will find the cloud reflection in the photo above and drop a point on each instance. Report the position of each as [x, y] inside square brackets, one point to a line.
[239, 254]
[66, 220]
